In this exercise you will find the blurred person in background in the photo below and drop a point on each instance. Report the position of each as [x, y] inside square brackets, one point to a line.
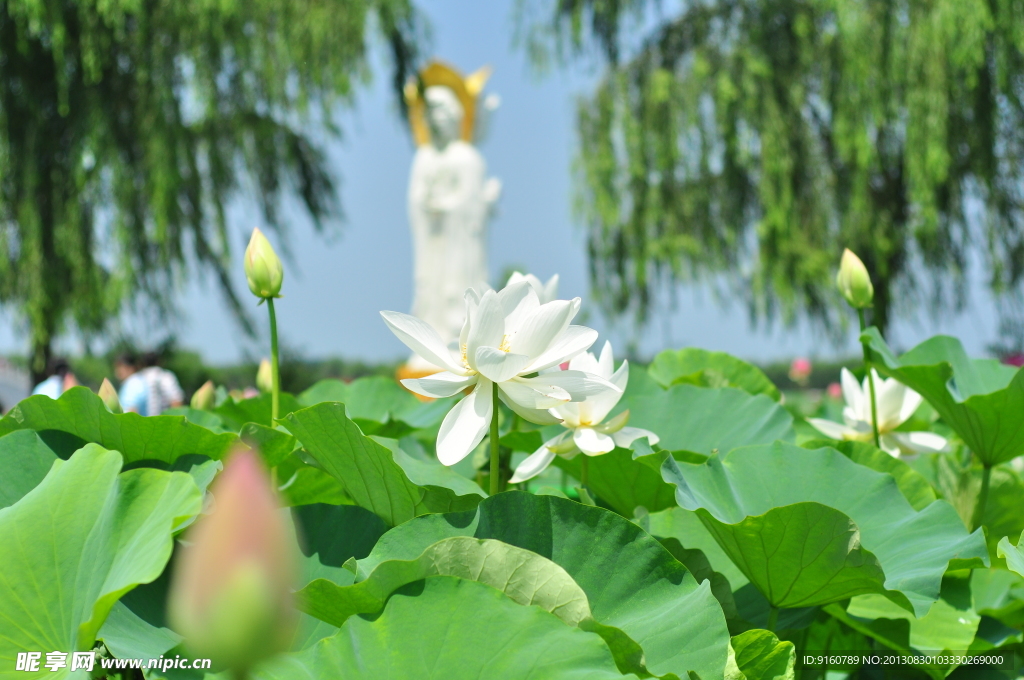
[162, 388]
[133, 392]
[60, 379]
[146, 387]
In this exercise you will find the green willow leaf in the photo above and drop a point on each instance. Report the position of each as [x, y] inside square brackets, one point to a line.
[83, 417]
[632, 583]
[811, 527]
[759, 655]
[385, 481]
[24, 459]
[76, 543]
[705, 420]
[981, 399]
[710, 369]
[444, 627]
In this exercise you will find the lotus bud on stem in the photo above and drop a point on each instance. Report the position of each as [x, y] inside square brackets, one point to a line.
[231, 594]
[204, 397]
[265, 274]
[854, 283]
[109, 396]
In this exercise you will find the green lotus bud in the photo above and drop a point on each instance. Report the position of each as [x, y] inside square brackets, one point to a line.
[265, 377]
[231, 597]
[263, 268]
[109, 396]
[854, 282]
[204, 397]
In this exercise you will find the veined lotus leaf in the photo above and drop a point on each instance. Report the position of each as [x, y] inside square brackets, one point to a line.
[372, 402]
[524, 576]
[914, 486]
[981, 399]
[704, 420]
[652, 598]
[811, 527]
[235, 414]
[25, 460]
[387, 482]
[622, 482]
[710, 369]
[445, 627]
[82, 415]
[71, 547]
[331, 535]
[1013, 554]
[759, 655]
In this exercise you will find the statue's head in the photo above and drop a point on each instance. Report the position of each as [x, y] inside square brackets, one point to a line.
[444, 114]
[443, 104]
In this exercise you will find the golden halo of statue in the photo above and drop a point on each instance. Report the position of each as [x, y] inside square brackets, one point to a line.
[467, 89]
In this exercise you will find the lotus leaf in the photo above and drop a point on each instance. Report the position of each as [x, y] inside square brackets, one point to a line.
[811, 527]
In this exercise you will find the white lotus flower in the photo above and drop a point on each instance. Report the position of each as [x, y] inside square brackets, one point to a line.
[507, 336]
[546, 292]
[587, 430]
[895, 402]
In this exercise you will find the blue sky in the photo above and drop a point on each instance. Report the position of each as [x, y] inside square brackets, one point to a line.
[335, 286]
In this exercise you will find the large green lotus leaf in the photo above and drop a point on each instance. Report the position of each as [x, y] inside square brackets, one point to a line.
[687, 528]
[710, 369]
[385, 481]
[759, 655]
[235, 414]
[330, 536]
[378, 405]
[981, 399]
[305, 484]
[811, 527]
[128, 636]
[631, 581]
[24, 459]
[699, 565]
[622, 482]
[1013, 554]
[950, 625]
[211, 421]
[442, 628]
[72, 546]
[913, 485]
[524, 576]
[273, 444]
[82, 415]
[999, 594]
[705, 420]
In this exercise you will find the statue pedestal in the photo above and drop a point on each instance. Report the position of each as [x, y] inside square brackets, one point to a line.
[405, 372]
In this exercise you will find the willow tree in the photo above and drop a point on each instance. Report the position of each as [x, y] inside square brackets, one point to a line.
[750, 141]
[127, 127]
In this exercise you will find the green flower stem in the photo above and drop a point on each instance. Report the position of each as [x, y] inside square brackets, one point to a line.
[773, 618]
[275, 390]
[978, 516]
[275, 379]
[584, 471]
[871, 380]
[495, 461]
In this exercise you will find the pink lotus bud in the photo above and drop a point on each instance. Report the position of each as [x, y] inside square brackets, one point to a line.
[231, 596]
[800, 370]
[835, 390]
[109, 396]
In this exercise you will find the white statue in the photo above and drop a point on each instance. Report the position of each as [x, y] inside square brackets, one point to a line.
[450, 199]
